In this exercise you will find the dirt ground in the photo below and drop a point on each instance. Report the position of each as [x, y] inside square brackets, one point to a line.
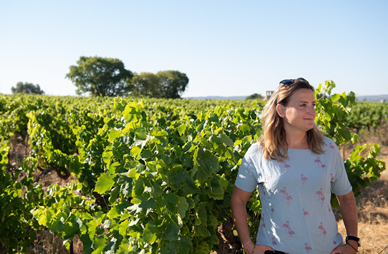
[372, 204]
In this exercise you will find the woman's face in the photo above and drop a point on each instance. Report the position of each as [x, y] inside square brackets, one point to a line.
[299, 114]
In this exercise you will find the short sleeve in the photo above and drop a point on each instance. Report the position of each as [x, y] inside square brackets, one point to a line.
[340, 185]
[247, 178]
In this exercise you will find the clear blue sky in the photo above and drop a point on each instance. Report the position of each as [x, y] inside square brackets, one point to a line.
[226, 48]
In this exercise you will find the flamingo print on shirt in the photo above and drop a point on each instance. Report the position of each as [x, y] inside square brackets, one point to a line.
[323, 167]
[288, 229]
[290, 232]
[285, 195]
[308, 248]
[319, 193]
[288, 198]
[331, 145]
[304, 179]
[318, 161]
[322, 200]
[285, 165]
[283, 192]
[322, 229]
[320, 164]
[321, 197]
[305, 213]
[286, 226]
[262, 221]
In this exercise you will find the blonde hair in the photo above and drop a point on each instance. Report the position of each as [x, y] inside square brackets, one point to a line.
[273, 140]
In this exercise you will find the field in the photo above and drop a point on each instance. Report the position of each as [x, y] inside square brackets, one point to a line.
[372, 207]
[124, 175]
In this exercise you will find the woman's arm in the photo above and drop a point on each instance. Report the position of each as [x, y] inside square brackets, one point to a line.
[349, 213]
[238, 202]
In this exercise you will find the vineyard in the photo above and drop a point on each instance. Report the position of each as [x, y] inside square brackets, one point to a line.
[151, 175]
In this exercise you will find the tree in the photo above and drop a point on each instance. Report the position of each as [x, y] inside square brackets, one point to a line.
[27, 88]
[145, 84]
[254, 96]
[100, 76]
[172, 83]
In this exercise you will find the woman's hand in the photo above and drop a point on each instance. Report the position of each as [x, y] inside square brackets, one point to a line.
[345, 249]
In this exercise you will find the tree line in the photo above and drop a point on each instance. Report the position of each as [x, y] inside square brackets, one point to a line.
[99, 76]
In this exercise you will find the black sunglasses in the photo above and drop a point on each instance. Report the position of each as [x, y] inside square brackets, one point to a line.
[287, 82]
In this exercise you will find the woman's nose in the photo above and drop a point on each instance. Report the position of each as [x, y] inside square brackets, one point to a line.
[312, 110]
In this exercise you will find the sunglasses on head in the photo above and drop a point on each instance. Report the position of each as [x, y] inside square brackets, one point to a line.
[291, 81]
[287, 82]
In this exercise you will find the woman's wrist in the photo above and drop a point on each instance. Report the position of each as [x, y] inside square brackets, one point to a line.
[352, 245]
[253, 249]
[249, 247]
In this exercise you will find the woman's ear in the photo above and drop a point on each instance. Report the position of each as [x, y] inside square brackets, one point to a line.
[280, 109]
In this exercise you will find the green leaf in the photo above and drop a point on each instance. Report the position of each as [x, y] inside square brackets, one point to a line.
[138, 189]
[135, 151]
[171, 200]
[216, 190]
[225, 140]
[148, 205]
[149, 234]
[72, 226]
[104, 184]
[335, 97]
[114, 134]
[92, 226]
[181, 129]
[106, 157]
[207, 164]
[189, 185]
[113, 213]
[45, 217]
[57, 226]
[113, 168]
[177, 178]
[171, 233]
[140, 137]
[201, 230]
[99, 244]
[202, 213]
[182, 207]
[115, 192]
[123, 227]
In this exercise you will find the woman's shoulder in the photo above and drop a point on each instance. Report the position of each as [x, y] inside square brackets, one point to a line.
[254, 150]
[329, 145]
[328, 141]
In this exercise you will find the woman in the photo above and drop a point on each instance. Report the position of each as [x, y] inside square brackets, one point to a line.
[295, 168]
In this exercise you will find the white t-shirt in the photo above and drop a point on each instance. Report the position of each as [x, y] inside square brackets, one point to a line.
[295, 194]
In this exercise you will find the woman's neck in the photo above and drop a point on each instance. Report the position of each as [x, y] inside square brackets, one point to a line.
[297, 140]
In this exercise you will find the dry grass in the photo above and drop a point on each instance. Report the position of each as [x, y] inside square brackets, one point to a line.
[372, 204]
